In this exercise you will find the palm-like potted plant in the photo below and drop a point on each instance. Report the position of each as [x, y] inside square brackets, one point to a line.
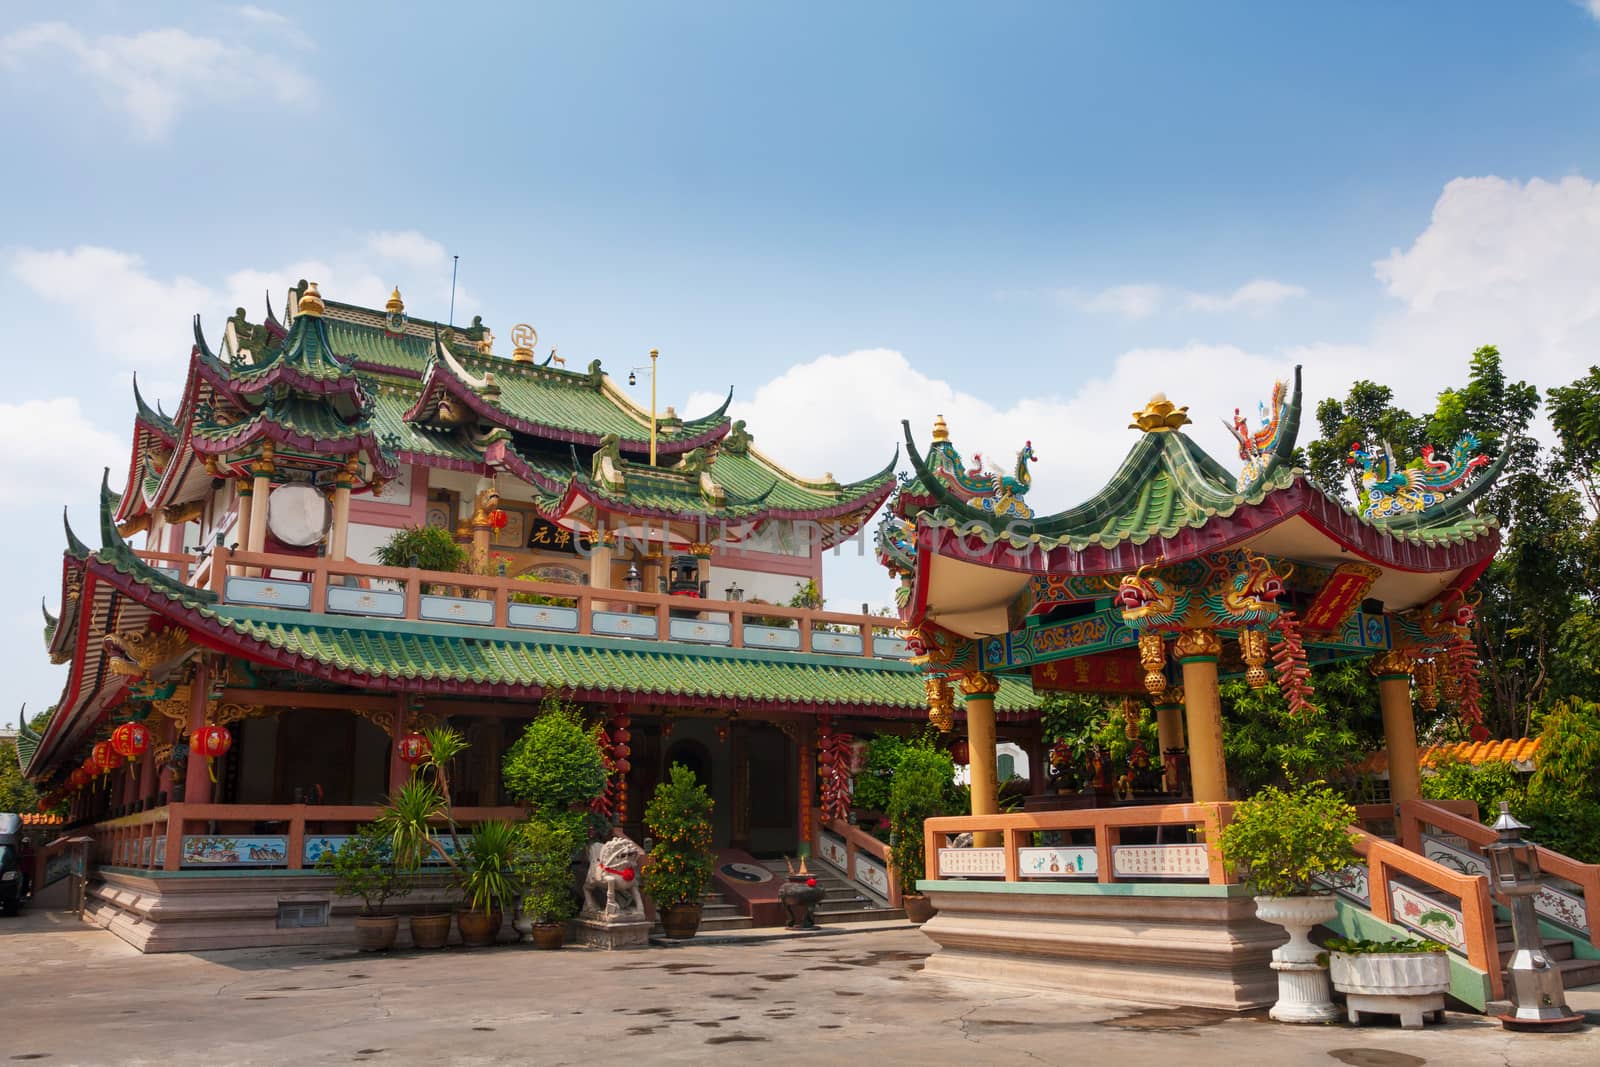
[677, 872]
[1288, 845]
[548, 901]
[919, 789]
[365, 867]
[407, 823]
[490, 879]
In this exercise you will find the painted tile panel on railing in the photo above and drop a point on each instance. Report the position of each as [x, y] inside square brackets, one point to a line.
[1552, 903]
[617, 624]
[1061, 862]
[890, 648]
[388, 603]
[317, 847]
[1160, 861]
[543, 617]
[972, 862]
[456, 609]
[700, 631]
[268, 592]
[772, 637]
[832, 849]
[871, 874]
[218, 850]
[1350, 882]
[1436, 919]
[838, 644]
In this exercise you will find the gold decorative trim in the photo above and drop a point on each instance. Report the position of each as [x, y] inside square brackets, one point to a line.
[1392, 663]
[980, 684]
[1153, 658]
[1197, 644]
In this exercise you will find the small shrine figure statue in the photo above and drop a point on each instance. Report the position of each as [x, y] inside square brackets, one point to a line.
[611, 887]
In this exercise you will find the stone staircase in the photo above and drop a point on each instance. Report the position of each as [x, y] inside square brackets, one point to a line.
[844, 902]
[719, 915]
[1574, 972]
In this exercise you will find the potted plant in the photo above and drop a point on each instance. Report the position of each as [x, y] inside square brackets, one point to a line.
[1407, 977]
[489, 877]
[556, 766]
[1285, 843]
[920, 788]
[677, 872]
[425, 547]
[365, 867]
[548, 900]
[407, 824]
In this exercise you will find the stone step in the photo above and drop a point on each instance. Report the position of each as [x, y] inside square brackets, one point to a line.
[846, 905]
[863, 915]
[1556, 950]
[709, 911]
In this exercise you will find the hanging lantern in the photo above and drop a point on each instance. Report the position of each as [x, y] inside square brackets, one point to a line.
[105, 758]
[1253, 650]
[1131, 714]
[131, 740]
[1153, 658]
[961, 752]
[1426, 677]
[497, 519]
[210, 742]
[413, 748]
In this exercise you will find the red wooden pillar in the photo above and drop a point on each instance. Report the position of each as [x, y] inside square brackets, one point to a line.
[197, 782]
[169, 733]
[147, 775]
[399, 770]
[808, 775]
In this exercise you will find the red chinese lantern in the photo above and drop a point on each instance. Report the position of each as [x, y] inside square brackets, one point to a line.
[210, 742]
[413, 748]
[131, 740]
[497, 519]
[961, 752]
[104, 758]
[44, 803]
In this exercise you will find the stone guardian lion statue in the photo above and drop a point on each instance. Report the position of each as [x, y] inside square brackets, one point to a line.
[611, 887]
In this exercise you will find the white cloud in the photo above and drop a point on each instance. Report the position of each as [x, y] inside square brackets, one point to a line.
[1129, 301]
[1501, 262]
[1591, 6]
[151, 77]
[261, 15]
[1142, 300]
[1254, 296]
[49, 444]
[140, 320]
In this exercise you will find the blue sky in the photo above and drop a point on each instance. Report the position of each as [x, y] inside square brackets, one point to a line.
[1026, 216]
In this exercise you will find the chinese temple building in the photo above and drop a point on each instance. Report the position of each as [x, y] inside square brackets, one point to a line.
[641, 566]
[1179, 574]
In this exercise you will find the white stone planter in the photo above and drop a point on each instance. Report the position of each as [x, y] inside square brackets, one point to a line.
[1303, 992]
[1407, 984]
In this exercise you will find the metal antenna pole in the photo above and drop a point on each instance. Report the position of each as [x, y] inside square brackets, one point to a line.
[455, 261]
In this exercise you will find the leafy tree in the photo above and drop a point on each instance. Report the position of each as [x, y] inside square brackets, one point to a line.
[1265, 744]
[871, 788]
[1366, 414]
[1575, 414]
[923, 788]
[556, 765]
[16, 792]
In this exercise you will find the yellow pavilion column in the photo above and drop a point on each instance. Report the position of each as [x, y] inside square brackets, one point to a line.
[241, 527]
[339, 534]
[1197, 652]
[260, 494]
[481, 528]
[1169, 732]
[1393, 671]
[978, 690]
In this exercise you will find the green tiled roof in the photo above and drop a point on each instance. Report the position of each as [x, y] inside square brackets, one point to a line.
[465, 655]
[391, 399]
[307, 351]
[312, 418]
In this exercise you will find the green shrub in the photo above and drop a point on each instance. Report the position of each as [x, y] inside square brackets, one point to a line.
[1281, 841]
[678, 818]
[922, 788]
[1407, 945]
[556, 765]
[550, 844]
[431, 548]
[490, 871]
[871, 790]
[365, 867]
[1485, 784]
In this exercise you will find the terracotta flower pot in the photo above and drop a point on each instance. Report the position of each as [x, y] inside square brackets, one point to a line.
[549, 935]
[478, 929]
[680, 921]
[430, 931]
[919, 909]
[376, 933]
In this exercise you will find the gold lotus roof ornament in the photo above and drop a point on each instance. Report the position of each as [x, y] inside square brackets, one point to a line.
[310, 301]
[941, 432]
[1160, 416]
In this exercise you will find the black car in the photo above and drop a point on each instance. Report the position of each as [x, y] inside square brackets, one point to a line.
[12, 879]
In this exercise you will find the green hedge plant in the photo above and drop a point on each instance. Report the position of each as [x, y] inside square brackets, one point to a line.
[1282, 840]
[922, 788]
[556, 766]
[678, 819]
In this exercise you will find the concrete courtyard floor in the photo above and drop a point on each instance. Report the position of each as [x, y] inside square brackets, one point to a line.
[74, 995]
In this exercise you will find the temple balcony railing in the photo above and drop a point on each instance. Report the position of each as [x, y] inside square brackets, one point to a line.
[232, 837]
[861, 858]
[342, 587]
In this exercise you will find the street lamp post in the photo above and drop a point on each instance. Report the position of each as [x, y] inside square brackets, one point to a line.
[633, 379]
[1538, 997]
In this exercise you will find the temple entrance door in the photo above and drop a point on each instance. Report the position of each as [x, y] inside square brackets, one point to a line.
[695, 744]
